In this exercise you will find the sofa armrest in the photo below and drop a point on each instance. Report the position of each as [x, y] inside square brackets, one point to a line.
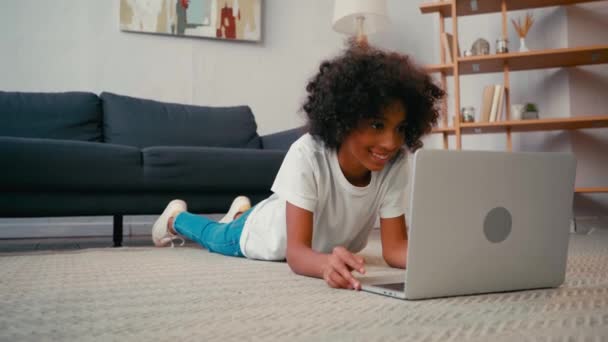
[282, 140]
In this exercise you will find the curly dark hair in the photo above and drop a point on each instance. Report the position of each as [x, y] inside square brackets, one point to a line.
[359, 84]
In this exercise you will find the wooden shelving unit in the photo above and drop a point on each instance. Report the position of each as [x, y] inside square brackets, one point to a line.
[506, 63]
[474, 7]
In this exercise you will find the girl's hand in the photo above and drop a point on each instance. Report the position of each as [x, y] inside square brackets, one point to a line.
[337, 271]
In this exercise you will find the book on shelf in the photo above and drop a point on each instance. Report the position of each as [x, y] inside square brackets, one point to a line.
[492, 103]
[501, 99]
[486, 103]
[447, 43]
[495, 102]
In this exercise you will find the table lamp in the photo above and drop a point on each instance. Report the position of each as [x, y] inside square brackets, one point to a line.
[360, 17]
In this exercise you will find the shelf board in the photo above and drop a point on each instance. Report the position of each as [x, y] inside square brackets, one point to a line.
[591, 190]
[446, 68]
[474, 7]
[518, 61]
[444, 7]
[550, 124]
[445, 130]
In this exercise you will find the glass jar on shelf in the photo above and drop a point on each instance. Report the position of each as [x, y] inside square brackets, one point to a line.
[502, 45]
[467, 114]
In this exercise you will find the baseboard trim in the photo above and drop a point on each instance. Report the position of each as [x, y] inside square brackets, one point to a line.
[69, 229]
[140, 225]
[66, 227]
[587, 224]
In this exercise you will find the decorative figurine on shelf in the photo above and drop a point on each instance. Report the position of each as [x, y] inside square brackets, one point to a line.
[530, 111]
[480, 47]
[522, 30]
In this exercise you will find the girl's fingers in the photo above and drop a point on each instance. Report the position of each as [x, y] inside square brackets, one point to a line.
[360, 259]
[340, 268]
[331, 283]
[353, 261]
[339, 280]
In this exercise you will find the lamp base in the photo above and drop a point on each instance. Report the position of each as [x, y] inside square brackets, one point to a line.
[362, 40]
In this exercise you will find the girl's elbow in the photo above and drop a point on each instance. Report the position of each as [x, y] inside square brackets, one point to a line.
[393, 261]
[292, 260]
[388, 261]
[292, 264]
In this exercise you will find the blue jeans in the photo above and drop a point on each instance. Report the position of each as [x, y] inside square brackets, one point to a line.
[221, 238]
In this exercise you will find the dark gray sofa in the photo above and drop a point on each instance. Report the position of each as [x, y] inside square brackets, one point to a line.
[79, 154]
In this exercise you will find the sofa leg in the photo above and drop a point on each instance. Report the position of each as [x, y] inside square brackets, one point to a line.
[117, 230]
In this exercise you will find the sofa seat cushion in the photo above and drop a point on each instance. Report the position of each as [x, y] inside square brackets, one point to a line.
[75, 203]
[210, 168]
[69, 116]
[30, 164]
[144, 123]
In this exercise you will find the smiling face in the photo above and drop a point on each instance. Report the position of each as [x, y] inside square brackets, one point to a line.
[372, 144]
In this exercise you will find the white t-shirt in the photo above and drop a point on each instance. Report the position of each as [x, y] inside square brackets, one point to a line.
[343, 214]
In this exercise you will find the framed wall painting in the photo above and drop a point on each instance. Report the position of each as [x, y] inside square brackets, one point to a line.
[218, 19]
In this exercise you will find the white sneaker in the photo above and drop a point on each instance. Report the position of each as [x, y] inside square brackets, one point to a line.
[239, 205]
[161, 236]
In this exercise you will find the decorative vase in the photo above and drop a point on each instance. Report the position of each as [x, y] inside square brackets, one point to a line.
[517, 111]
[522, 45]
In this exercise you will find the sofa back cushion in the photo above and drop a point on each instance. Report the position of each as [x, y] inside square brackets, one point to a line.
[143, 123]
[68, 116]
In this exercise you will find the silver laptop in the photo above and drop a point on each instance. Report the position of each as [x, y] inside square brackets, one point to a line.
[484, 222]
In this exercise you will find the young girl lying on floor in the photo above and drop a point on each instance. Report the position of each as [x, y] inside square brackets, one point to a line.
[362, 108]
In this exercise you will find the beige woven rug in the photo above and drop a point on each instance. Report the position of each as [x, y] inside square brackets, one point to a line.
[141, 294]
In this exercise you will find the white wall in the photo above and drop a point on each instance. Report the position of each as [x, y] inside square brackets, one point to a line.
[65, 45]
[77, 45]
[588, 25]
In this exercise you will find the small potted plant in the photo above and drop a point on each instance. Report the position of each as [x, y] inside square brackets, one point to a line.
[530, 111]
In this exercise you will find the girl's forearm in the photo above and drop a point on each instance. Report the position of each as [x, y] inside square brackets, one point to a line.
[305, 261]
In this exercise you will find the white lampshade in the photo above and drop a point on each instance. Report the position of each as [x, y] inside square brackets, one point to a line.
[347, 11]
